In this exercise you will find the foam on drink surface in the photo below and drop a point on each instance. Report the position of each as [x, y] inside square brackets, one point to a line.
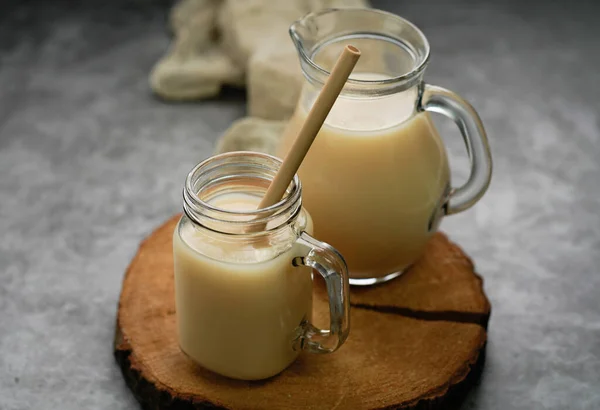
[236, 201]
[354, 114]
[237, 251]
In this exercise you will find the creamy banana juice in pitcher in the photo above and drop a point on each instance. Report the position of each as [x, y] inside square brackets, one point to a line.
[376, 180]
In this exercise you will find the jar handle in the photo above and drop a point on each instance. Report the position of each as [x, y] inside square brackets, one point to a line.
[445, 102]
[328, 262]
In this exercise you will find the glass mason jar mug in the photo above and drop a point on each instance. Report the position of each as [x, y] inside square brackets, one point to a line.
[243, 276]
[376, 179]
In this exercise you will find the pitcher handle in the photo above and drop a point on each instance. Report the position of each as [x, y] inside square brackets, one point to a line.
[331, 266]
[445, 102]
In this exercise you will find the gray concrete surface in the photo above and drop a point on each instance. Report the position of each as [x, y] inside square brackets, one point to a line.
[90, 163]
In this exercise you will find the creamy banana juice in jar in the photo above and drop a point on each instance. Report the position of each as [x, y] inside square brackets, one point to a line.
[244, 295]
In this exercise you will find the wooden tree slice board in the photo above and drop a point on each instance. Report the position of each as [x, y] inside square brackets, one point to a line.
[415, 343]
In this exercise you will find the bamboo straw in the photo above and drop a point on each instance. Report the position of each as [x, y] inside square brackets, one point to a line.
[315, 119]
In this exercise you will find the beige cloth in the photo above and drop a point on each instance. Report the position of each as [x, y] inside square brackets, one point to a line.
[237, 42]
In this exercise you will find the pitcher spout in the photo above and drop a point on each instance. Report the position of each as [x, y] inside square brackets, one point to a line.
[395, 52]
[304, 31]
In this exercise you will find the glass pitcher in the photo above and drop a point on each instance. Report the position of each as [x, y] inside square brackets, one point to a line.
[376, 180]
